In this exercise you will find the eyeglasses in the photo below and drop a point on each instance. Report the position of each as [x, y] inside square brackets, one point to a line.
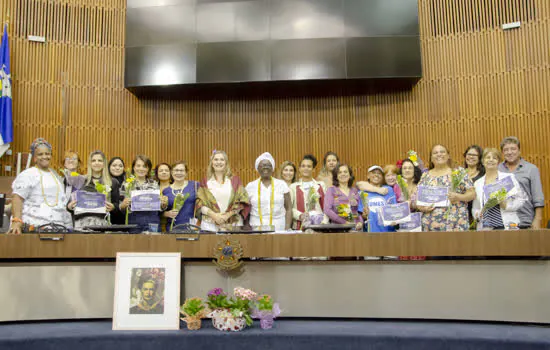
[472, 155]
[71, 158]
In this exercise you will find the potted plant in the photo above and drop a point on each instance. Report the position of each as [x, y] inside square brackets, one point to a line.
[266, 311]
[193, 310]
[217, 299]
[231, 314]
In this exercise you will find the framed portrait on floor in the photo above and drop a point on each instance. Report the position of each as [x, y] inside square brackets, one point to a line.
[147, 291]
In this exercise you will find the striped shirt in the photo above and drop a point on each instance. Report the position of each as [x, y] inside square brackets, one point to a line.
[493, 217]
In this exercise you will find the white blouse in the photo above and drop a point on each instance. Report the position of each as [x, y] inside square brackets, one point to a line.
[44, 197]
[279, 211]
[222, 193]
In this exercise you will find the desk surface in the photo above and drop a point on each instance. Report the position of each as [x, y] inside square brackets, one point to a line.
[469, 243]
[287, 335]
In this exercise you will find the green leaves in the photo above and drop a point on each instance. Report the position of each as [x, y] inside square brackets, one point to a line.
[193, 307]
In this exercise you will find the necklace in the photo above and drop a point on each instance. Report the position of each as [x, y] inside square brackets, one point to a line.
[43, 192]
[271, 202]
[179, 190]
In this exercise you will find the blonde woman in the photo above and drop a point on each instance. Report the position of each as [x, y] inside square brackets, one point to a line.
[287, 172]
[98, 173]
[222, 199]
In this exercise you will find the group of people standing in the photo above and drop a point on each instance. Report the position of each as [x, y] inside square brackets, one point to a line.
[291, 199]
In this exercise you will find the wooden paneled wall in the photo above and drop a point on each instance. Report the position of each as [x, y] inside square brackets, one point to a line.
[480, 84]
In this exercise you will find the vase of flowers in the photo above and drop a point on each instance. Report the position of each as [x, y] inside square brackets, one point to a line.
[193, 311]
[231, 314]
[266, 311]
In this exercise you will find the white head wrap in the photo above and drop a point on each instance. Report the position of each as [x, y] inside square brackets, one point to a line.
[265, 156]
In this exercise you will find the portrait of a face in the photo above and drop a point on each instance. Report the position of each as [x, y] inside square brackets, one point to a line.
[147, 291]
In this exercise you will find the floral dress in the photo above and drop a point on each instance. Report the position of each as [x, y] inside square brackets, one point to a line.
[453, 218]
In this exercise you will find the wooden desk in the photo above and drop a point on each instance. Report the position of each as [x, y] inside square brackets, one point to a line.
[510, 290]
[470, 243]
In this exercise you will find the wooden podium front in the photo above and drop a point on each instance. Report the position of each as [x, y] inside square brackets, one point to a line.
[73, 277]
[101, 246]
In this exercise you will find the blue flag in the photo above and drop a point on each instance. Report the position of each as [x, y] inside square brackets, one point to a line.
[6, 123]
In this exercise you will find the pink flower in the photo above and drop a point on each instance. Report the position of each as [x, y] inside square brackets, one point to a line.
[244, 293]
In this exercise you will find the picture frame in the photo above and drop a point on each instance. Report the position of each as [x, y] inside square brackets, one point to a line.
[147, 291]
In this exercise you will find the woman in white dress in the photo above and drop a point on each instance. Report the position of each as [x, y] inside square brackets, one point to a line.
[38, 194]
[222, 200]
[270, 202]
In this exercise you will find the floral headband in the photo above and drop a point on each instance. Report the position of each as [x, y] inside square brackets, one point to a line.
[39, 142]
[412, 156]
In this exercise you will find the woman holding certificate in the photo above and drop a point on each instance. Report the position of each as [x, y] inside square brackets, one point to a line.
[498, 195]
[270, 202]
[443, 194]
[38, 193]
[95, 198]
[342, 199]
[181, 195]
[308, 196]
[141, 197]
[410, 175]
[222, 199]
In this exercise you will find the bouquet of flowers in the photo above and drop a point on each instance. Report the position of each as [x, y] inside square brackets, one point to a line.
[495, 199]
[179, 201]
[266, 310]
[193, 310]
[403, 187]
[457, 176]
[311, 216]
[344, 211]
[364, 196]
[130, 185]
[312, 198]
[74, 179]
[105, 190]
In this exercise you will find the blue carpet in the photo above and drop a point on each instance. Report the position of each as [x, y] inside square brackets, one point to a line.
[287, 335]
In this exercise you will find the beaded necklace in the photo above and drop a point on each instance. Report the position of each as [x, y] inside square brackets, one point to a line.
[271, 202]
[43, 192]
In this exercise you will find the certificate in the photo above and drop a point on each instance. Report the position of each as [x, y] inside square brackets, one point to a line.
[90, 202]
[507, 183]
[432, 195]
[145, 200]
[415, 225]
[392, 214]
